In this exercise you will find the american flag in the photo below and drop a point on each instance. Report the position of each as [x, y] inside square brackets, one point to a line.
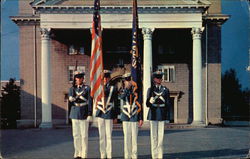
[96, 61]
[135, 58]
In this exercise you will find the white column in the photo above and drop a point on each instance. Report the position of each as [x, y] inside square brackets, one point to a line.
[45, 79]
[147, 66]
[198, 117]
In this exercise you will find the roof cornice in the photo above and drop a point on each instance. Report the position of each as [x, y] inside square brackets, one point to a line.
[216, 18]
[122, 9]
[25, 20]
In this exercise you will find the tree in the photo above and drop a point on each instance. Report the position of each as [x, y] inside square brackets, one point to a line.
[235, 102]
[10, 104]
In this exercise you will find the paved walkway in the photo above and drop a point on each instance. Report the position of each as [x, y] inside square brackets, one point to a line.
[188, 143]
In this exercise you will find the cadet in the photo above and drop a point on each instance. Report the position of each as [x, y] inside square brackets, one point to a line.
[107, 110]
[81, 109]
[130, 115]
[158, 103]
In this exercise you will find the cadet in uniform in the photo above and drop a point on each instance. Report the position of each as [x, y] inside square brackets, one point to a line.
[81, 109]
[107, 111]
[158, 102]
[131, 113]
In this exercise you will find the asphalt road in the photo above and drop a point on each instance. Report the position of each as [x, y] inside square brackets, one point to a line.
[187, 143]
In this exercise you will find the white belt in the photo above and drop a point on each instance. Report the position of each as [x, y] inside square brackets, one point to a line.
[158, 105]
[80, 104]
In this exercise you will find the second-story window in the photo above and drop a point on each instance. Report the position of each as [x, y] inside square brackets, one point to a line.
[168, 72]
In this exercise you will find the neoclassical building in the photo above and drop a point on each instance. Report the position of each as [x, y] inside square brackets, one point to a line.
[182, 38]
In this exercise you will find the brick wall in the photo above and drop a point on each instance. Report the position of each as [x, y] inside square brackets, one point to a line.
[25, 8]
[214, 73]
[26, 71]
[215, 7]
[182, 84]
[60, 60]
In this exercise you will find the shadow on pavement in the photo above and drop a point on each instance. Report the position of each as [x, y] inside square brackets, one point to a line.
[141, 132]
[202, 154]
[147, 132]
[21, 140]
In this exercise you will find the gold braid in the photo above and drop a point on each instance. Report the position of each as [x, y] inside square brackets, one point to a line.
[136, 96]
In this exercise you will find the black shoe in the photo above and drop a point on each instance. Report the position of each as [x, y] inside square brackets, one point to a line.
[77, 158]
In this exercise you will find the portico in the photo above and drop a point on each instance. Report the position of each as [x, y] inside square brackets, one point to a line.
[180, 38]
[178, 18]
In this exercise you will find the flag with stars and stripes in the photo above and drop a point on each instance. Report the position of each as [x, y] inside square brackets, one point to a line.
[96, 61]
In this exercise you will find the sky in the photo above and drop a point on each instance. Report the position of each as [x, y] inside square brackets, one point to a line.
[235, 40]
[9, 41]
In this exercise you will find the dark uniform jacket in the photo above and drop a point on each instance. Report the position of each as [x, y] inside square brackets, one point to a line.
[80, 102]
[159, 109]
[129, 109]
[111, 103]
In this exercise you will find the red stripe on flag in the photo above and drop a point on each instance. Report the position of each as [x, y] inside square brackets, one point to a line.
[96, 86]
[96, 47]
[96, 60]
[96, 66]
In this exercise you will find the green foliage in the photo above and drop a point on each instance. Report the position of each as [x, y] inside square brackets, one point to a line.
[235, 101]
[10, 104]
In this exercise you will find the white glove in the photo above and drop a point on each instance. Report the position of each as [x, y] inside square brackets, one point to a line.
[152, 100]
[89, 119]
[71, 99]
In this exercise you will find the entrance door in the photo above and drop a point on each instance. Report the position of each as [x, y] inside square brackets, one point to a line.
[171, 110]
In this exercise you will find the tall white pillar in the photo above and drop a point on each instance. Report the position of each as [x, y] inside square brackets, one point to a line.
[147, 66]
[198, 116]
[45, 79]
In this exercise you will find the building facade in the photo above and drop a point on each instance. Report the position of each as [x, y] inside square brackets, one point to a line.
[180, 37]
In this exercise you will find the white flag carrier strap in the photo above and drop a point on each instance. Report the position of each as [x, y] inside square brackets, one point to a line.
[110, 95]
[109, 107]
[99, 107]
[130, 108]
[101, 104]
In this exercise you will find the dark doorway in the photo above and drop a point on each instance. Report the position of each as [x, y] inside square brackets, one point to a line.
[172, 110]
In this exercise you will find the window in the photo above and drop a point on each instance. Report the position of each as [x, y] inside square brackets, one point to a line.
[74, 50]
[71, 70]
[81, 51]
[168, 73]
